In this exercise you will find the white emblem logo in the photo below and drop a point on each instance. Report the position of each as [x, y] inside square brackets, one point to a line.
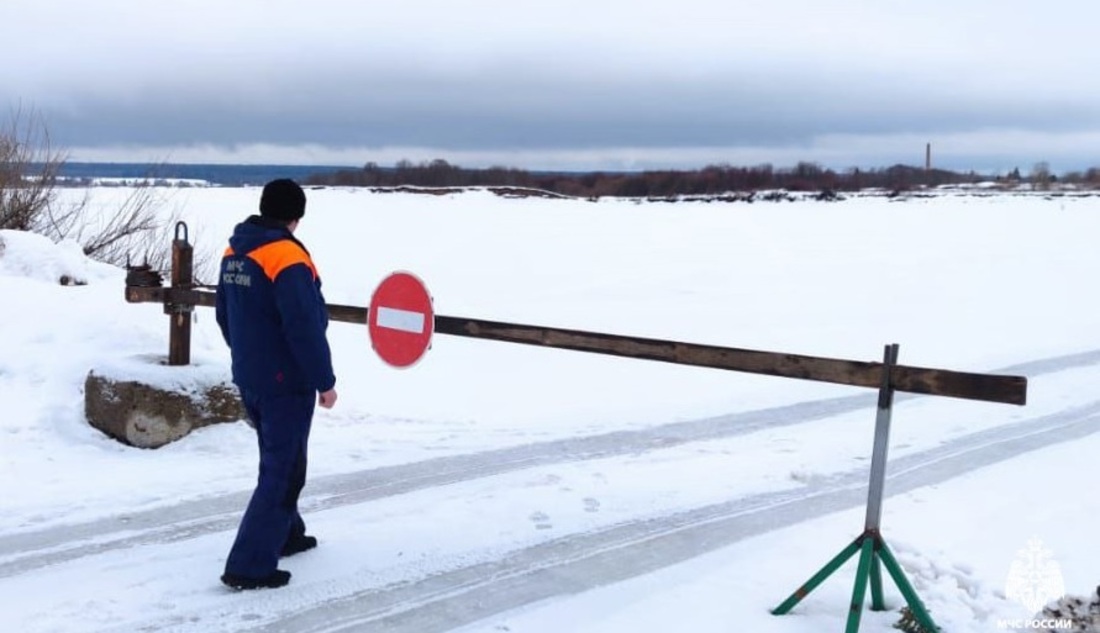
[1034, 579]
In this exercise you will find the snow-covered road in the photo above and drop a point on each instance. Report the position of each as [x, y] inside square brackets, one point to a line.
[160, 560]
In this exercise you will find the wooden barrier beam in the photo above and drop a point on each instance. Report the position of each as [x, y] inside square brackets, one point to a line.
[940, 382]
[936, 382]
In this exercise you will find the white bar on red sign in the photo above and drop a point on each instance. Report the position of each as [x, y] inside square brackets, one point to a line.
[404, 320]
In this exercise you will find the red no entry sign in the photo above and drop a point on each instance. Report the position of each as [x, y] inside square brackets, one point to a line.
[400, 319]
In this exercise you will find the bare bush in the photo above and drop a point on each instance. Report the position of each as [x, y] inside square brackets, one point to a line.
[121, 231]
[29, 169]
[136, 231]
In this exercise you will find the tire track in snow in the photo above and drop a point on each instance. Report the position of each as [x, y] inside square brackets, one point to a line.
[589, 560]
[31, 550]
[27, 551]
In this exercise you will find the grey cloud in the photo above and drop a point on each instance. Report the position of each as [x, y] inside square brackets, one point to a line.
[511, 113]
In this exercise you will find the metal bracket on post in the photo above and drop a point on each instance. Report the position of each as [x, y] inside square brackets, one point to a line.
[179, 329]
[871, 547]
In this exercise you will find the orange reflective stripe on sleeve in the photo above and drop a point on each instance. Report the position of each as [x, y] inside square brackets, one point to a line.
[277, 256]
[228, 252]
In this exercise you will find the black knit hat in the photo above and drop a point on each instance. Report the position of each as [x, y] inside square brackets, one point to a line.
[283, 199]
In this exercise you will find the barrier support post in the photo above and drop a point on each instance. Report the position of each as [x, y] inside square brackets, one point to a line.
[872, 548]
[179, 328]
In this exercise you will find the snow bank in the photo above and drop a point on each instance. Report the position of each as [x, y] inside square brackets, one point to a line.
[24, 254]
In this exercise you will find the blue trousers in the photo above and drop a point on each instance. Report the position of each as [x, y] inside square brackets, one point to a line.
[282, 427]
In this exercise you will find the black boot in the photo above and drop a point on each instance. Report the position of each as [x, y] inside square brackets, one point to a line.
[298, 544]
[277, 578]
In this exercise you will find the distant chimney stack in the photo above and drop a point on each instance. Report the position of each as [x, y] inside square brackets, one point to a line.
[928, 157]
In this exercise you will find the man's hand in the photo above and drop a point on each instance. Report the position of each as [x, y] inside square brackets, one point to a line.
[327, 399]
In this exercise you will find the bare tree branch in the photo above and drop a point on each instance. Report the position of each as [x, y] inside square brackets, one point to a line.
[134, 232]
[29, 167]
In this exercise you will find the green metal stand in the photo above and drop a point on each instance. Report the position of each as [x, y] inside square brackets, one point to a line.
[873, 551]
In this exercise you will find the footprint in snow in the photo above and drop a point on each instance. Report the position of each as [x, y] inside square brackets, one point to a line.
[541, 521]
[591, 505]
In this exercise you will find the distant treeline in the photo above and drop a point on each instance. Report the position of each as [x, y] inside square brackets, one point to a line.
[714, 179]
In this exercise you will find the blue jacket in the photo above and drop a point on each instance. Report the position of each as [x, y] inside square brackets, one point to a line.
[271, 312]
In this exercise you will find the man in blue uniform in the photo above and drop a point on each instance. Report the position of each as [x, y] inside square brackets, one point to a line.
[272, 314]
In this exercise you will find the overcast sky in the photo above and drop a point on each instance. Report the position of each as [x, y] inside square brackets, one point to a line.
[609, 84]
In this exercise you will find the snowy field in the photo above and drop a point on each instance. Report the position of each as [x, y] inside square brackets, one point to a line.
[497, 487]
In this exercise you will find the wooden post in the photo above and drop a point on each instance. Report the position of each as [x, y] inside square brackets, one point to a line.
[179, 329]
